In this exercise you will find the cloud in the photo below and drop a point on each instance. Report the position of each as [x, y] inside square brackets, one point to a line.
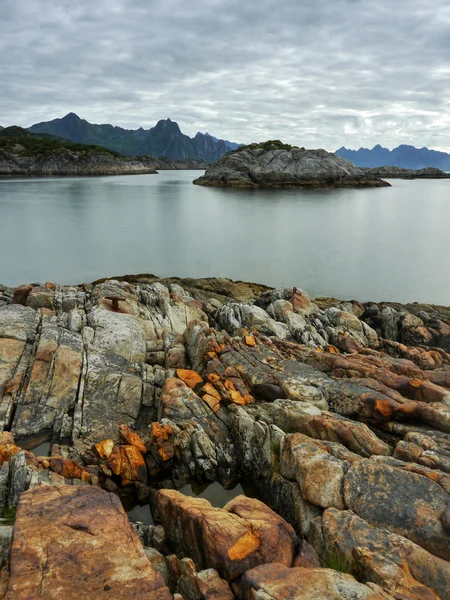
[317, 73]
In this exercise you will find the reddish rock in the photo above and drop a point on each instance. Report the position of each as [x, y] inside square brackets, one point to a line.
[306, 556]
[278, 582]
[161, 439]
[7, 451]
[128, 463]
[126, 436]
[21, 293]
[104, 448]
[67, 468]
[76, 542]
[232, 540]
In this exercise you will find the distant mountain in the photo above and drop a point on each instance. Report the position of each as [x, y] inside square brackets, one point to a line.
[231, 145]
[37, 154]
[406, 157]
[164, 139]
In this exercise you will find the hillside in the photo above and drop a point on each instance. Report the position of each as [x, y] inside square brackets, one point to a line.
[404, 156]
[26, 153]
[164, 139]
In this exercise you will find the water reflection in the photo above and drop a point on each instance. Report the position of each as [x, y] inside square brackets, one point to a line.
[379, 244]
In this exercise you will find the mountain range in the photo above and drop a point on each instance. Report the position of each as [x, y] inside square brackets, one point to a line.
[407, 157]
[164, 139]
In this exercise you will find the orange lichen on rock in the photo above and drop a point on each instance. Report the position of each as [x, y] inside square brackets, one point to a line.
[131, 438]
[190, 378]
[68, 468]
[160, 436]
[128, 463]
[104, 448]
[250, 340]
[7, 451]
[244, 546]
[212, 402]
[209, 389]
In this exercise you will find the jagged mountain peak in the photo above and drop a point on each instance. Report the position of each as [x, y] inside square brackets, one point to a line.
[164, 139]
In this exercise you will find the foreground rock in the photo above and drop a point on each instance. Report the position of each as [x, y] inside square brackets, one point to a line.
[77, 542]
[244, 534]
[337, 412]
[275, 165]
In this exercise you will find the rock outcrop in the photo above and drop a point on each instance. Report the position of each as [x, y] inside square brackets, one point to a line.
[391, 172]
[74, 541]
[337, 413]
[274, 165]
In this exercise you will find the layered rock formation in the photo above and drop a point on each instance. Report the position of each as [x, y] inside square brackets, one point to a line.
[338, 412]
[275, 165]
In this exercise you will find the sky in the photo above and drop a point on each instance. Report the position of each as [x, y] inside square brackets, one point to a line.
[315, 73]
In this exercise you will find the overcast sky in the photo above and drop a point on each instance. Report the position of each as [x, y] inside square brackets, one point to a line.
[317, 73]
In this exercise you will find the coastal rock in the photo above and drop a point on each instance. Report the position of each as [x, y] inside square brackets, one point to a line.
[69, 539]
[390, 560]
[336, 413]
[275, 165]
[278, 582]
[392, 172]
[232, 540]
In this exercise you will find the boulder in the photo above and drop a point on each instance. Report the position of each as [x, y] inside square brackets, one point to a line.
[72, 541]
[401, 501]
[243, 534]
[278, 582]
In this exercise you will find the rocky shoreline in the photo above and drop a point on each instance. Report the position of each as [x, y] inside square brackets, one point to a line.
[337, 412]
[400, 173]
[275, 165]
[23, 154]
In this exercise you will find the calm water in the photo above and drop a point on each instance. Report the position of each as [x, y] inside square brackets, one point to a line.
[379, 244]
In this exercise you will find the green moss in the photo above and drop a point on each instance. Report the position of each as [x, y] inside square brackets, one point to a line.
[335, 559]
[8, 514]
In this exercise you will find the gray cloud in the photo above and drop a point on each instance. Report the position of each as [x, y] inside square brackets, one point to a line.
[311, 72]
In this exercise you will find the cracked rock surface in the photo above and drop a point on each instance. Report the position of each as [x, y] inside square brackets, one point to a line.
[337, 413]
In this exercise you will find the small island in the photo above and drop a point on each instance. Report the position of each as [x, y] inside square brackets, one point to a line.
[23, 153]
[273, 164]
[393, 172]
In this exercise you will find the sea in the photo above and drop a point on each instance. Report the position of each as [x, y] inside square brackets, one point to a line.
[376, 244]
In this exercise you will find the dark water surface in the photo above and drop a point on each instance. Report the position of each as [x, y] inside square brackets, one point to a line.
[378, 244]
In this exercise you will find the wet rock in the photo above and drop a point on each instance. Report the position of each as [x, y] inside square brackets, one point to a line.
[69, 539]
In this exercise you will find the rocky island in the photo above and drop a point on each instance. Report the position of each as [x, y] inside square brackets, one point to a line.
[27, 154]
[273, 164]
[400, 173]
[333, 417]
